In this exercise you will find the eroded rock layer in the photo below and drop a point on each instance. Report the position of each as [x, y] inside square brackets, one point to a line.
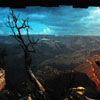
[92, 69]
[2, 79]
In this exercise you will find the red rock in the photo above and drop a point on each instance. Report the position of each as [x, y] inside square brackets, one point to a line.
[2, 79]
[91, 68]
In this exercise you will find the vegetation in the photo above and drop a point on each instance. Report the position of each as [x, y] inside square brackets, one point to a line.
[28, 47]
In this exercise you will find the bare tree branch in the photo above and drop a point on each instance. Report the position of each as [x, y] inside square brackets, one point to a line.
[13, 24]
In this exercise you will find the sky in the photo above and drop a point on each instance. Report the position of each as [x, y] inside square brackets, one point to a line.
[62, 20]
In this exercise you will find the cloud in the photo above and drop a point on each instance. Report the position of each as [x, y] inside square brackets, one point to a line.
[58, 20]
[1, 32]
[46, 31]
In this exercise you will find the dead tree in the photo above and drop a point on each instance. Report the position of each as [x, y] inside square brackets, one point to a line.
[28, 46]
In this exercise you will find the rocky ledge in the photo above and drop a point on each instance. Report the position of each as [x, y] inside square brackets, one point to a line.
[2, 79]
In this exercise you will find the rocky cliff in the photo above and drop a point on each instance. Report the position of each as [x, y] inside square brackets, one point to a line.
[92, 68]
[2, 79]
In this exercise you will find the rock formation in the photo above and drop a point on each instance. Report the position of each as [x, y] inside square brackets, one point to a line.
[2, 79]
[92, 69]
[59, 86]
[26, 98]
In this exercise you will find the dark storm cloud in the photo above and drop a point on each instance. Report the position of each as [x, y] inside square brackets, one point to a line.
[57, 20]
[59, 17]
[41, 10]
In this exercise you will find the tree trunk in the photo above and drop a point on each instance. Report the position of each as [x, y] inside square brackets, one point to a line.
[31, 75]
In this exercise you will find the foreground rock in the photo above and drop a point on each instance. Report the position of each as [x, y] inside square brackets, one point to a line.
[26, 98]
[2, 79]
[59, 87]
